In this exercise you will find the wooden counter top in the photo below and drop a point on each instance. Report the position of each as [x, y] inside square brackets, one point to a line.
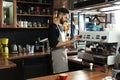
[36, 54]
[84, 74]
[26, 55]
[77, 60]
[5, 63]
[78, 75]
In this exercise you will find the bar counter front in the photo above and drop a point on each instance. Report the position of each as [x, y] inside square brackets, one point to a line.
[84, 74]
[98, 73]
[78, 75]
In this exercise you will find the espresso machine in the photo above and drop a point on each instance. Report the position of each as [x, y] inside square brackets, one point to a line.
[103, 46]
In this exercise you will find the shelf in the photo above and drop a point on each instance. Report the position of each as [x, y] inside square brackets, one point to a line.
[33, 27]
[34, 15]
[24, 27]
[28, 10]
[7, 26]
[47, 4]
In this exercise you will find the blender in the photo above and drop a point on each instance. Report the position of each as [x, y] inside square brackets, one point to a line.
[4, 47]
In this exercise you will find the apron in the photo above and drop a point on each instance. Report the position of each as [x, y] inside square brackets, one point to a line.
[59, 56]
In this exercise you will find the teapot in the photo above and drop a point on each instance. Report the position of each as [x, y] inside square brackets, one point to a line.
[14, 48]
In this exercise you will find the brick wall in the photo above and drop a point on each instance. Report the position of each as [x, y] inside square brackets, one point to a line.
[61, 3]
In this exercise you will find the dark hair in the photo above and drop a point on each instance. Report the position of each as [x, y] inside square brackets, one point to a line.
[63, 10]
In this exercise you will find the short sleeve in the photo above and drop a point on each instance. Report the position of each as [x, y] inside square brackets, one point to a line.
[53, 34]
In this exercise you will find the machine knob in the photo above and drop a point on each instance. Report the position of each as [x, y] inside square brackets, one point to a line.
[104, 37]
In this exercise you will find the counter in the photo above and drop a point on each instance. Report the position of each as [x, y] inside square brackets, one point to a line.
[78, 75]
[6, 63]
[84, 74]
[75, 75]
[26, 55]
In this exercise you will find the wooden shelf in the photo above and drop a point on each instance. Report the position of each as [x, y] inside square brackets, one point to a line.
[34, 15]
[24, 27]
[25, 6]
[47, 4]
[33, 27]
[7, 26]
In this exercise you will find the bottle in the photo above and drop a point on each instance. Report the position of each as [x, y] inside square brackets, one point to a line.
[48, 23]
[39, 24]
[19, 49]
[91, 66]
[29, 24]
[31, 10]
[21, 24]
[37, 10]
[47, 11]
[34, 24]
[14, 48]
[37, 46]
[25, 24]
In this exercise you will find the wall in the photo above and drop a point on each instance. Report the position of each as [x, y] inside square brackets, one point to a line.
[23, 36]
[61, 3]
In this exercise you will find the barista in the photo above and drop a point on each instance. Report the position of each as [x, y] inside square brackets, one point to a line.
[57, 42]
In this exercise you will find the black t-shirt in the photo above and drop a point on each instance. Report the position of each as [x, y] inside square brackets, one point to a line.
[53, 34]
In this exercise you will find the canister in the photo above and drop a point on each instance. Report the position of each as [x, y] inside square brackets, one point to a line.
[20, 23]
[25, 24]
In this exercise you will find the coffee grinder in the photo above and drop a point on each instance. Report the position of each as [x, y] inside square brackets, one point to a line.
[4, 47]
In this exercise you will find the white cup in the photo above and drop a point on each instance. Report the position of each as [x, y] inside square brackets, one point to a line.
[21, 24]
[25, 24]
[31, 49]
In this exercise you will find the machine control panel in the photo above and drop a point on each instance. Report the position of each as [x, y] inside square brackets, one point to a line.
[100, 36]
